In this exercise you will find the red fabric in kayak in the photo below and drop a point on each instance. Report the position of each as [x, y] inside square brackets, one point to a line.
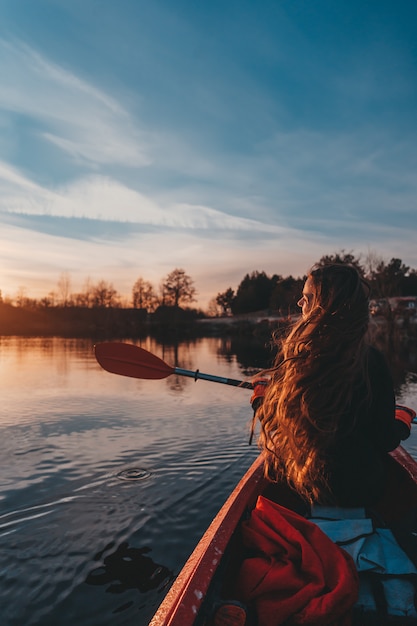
[297, 573]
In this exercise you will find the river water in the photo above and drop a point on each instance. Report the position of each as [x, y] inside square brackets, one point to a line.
[108, 482]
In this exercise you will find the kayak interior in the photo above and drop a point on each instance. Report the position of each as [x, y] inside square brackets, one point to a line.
[208, 579]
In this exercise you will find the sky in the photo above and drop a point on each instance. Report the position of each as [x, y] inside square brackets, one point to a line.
[222, 137]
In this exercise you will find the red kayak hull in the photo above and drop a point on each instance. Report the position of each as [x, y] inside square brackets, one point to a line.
[183, 601]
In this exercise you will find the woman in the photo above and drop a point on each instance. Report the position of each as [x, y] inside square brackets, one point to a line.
[328, 411]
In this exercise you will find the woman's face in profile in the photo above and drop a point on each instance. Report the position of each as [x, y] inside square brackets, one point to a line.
[306, 300]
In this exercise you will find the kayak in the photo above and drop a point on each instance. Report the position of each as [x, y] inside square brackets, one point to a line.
[267, 559]
[206, 580]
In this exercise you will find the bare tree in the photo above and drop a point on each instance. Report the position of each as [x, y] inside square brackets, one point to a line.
[104, 295]
[178, 288]
[21, 298]
[64, 288]
[214, 309]
[80, 299]
[88, 292]
[372, 260]
[85, 297]
[143, 295]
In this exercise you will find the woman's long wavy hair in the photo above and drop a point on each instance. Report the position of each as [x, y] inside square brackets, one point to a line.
[319, 365]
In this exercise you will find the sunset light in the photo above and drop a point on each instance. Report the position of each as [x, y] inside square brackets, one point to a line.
[221, 139]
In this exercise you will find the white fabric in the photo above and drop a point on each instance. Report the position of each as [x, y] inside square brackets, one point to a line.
[374, 551]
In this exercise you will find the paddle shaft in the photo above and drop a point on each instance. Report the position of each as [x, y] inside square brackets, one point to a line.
[214, 379]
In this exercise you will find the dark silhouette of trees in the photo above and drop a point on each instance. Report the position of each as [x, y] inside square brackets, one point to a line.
[342, 257]
[177, 289]
[144, 296]
[286, 294]
[64, 289]
[85, 297]
[254, 292]
[105, 295]
[386, 279]
[225, 300]
[260, 292]
[390, 279]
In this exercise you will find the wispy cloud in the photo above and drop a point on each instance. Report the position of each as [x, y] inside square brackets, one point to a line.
[221, 143]
[76, 117]
[104, 199]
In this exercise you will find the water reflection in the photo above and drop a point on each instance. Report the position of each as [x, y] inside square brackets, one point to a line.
[69, 431]
[128, 568]
[254, 354]
[251, 354]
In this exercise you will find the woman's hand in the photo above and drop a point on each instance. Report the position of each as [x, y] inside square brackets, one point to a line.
[405, 415]
[257, 397]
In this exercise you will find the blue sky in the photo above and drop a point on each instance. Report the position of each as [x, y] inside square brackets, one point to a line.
[218, 137]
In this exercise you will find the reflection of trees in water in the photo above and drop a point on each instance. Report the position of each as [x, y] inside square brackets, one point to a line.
[402, 362]
[399, 347]
[251, 354]
[176, 383]
[255, 353]
[129, 568]
[179, 355]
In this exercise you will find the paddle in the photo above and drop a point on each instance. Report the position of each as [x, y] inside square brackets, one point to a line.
[129, 360]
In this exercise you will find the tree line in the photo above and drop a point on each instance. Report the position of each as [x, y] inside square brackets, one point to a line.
[257, 291]
[176, 289]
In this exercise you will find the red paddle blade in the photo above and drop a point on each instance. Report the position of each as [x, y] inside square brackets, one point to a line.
[129, 360]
